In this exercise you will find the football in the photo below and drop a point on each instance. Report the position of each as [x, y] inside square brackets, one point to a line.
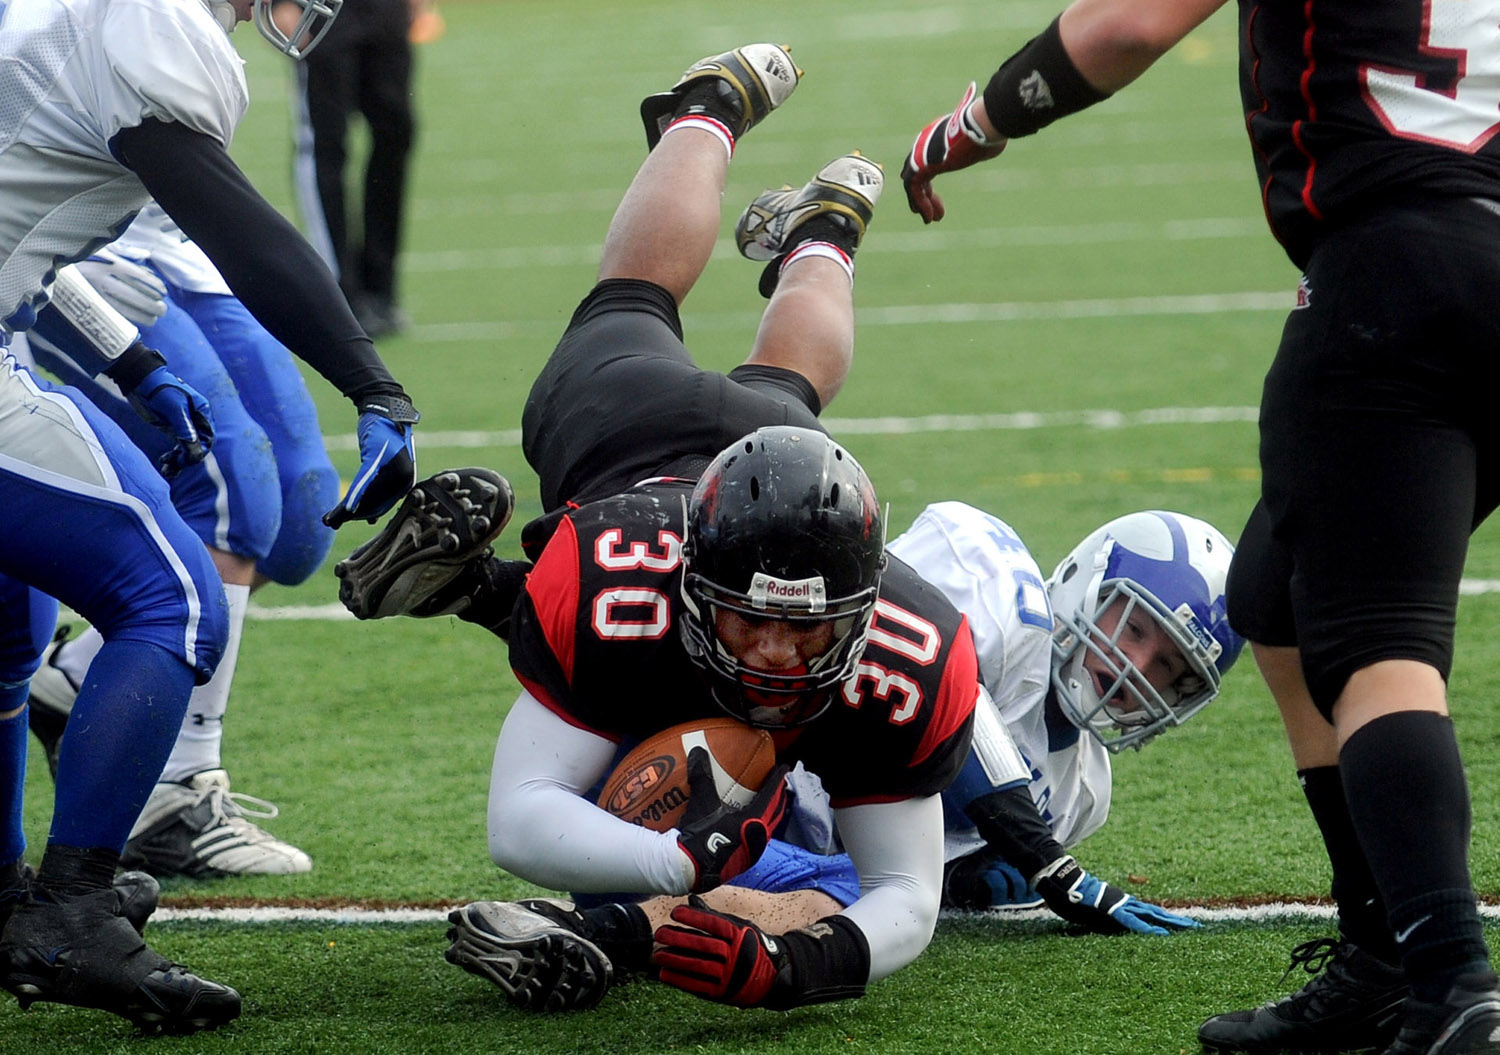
[650, 785]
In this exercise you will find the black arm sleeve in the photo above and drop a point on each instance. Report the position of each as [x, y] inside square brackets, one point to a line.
[266, 262]
[1009, 822]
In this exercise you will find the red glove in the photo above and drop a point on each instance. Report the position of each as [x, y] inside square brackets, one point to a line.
[722, 958]
[723, 840]
[951, 142]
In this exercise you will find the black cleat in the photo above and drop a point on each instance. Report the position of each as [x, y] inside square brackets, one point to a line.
[414, 566]
[80, 952]
[753, 81]
[1354, 1003]
[1467, 1022]
[532, 950]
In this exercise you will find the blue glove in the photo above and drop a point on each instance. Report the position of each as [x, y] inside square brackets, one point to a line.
[1008, 887]
[178, 409]
[1080, 898]
[387, 461]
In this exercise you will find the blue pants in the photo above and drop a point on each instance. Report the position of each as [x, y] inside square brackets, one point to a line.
[86, 518]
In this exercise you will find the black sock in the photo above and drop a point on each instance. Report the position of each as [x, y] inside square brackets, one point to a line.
[11, 877]
[827, 228]
[1361, 911]
[711, 97]
[69, 871]
[1409, 802]
[623, 933]
[498, 586]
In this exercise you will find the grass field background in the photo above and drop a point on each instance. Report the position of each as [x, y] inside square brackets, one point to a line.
[1085, 335]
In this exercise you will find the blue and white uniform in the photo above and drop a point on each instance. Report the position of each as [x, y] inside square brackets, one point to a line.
[86, 517]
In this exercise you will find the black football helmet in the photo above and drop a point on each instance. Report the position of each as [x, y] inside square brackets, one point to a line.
[783, 525]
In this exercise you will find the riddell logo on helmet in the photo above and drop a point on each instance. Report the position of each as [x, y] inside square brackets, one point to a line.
[767, 590]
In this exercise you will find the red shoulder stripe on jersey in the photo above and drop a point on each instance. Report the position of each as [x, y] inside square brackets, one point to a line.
[553, 587]
[541, 695]
[955, 700]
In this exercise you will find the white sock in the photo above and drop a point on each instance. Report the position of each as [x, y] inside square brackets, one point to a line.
[198, 744]
[712, 125]
[74, 655]
[826, 250]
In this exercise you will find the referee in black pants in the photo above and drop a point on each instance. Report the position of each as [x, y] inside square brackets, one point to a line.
[363, 66]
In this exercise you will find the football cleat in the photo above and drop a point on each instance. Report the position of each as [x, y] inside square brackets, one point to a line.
[753, 81]
[202, 829]
[532, 950]
[1353, 1003]
[78, 951]
[51, 701]
[414, 566]
[845, 191]
[1467, 1022]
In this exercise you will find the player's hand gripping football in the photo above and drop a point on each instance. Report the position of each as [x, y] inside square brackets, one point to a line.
[1080, 898]
[387, 461]
[954, 141]
[723, 958]
[722, 840]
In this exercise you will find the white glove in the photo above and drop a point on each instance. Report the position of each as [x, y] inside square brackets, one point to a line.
[131, 288]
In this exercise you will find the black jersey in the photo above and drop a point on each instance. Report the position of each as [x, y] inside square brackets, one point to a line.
[1350, 103]
[595, 638]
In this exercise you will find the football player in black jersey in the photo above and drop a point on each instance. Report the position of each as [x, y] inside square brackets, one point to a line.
[1373, 123]
[707, 547]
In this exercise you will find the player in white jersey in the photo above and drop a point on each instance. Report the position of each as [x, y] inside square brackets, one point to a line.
[255, 501]
[1125, 640]
[104, 104]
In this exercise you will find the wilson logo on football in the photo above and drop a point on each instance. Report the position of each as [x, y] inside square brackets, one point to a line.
[640, 784]
[652, 812]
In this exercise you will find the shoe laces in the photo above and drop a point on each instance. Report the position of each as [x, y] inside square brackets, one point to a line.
[1326, 959]
[231, 806]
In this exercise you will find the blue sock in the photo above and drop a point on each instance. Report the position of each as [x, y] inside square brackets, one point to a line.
[122, 729]
[12, 772]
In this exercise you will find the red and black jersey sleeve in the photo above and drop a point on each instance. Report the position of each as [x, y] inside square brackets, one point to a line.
[595, 635]
[902, 726]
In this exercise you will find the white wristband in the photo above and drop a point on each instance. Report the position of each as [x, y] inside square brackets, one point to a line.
[105, 328]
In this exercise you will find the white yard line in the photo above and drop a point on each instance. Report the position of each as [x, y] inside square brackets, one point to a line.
[1273, 912]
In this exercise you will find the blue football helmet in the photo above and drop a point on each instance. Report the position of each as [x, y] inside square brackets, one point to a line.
[1174, 568]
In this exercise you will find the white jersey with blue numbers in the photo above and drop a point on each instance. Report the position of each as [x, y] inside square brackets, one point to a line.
[982, 566]
[73, 73]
